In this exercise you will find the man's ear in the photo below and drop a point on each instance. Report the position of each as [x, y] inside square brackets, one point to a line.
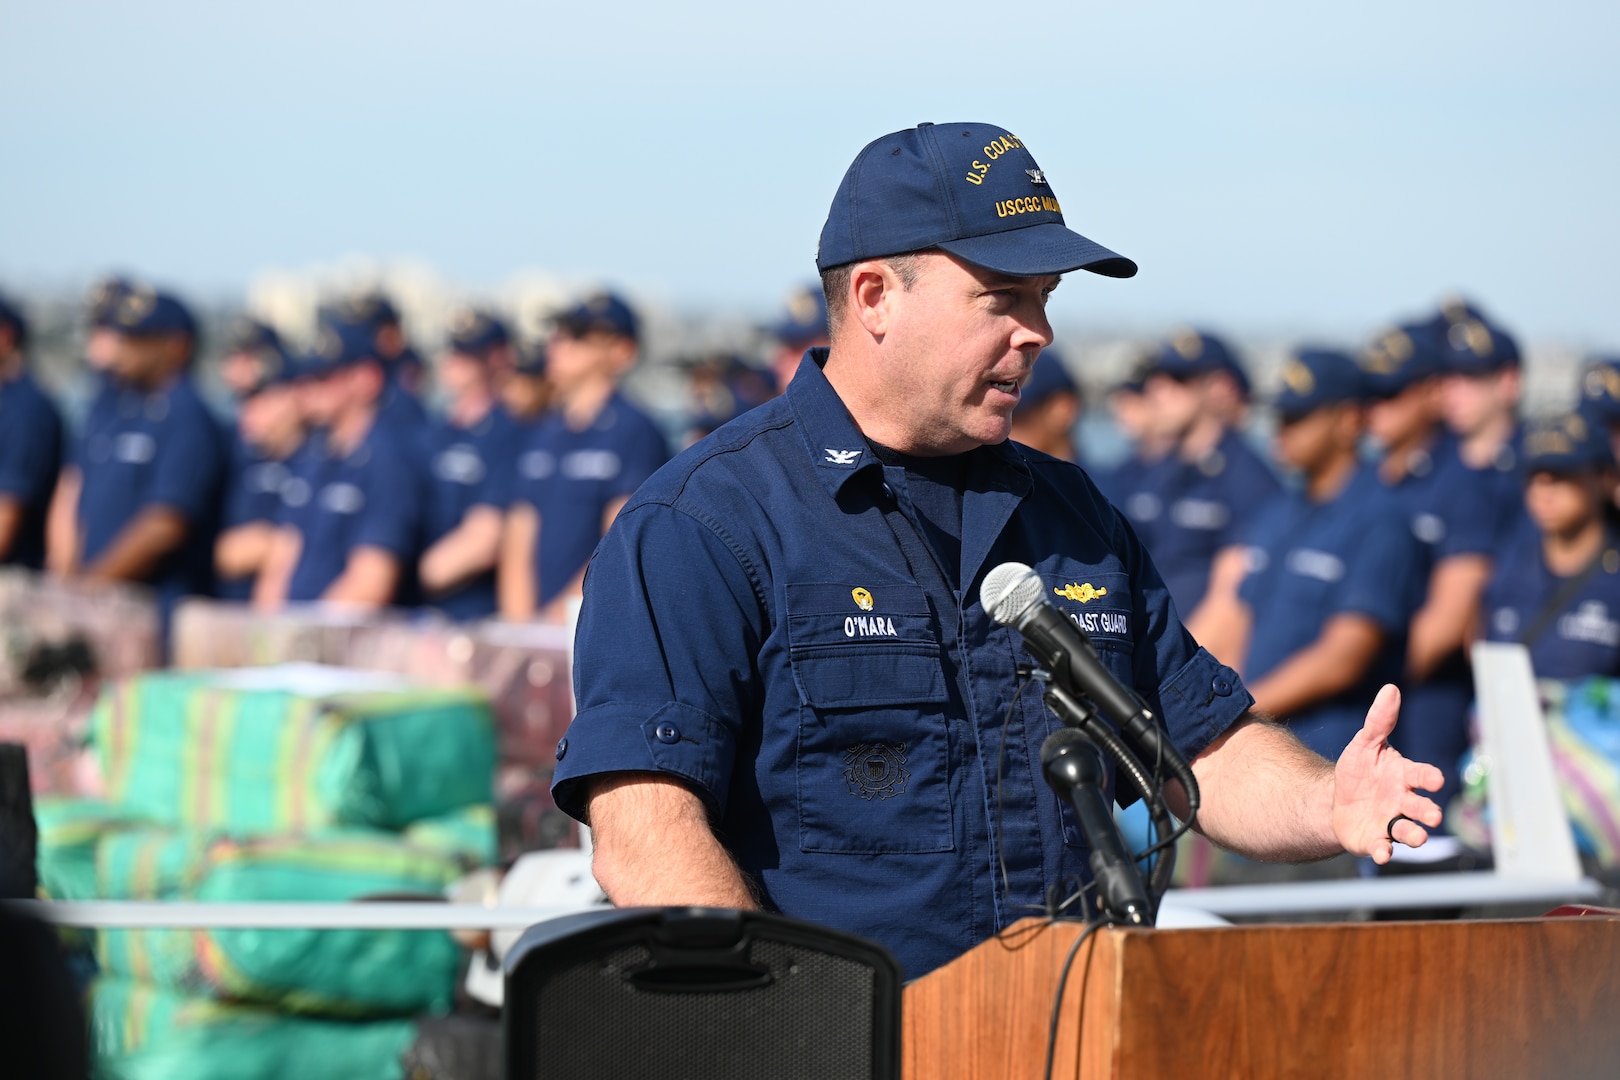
[873, 286]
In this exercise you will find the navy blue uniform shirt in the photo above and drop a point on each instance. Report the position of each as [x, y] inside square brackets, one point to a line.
[464, 469]
[571, 478]
[1452, 510]
[158, 449]
[1579, 640]
[1308, 562]
[765, 623]
[252, 495]
[368, 498]
[1206, 506]
[30, 458]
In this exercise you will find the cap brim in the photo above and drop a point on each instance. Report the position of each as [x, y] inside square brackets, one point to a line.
[1035, 250]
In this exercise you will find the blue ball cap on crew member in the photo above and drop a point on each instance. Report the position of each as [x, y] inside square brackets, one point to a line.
[1475, 347]
[475, 333]
[339, 344]
[249, 335]
[604, 311]
[11, 317]
[805, 318]
[972, 190]
[1567, 443]
[1600, 388]
[144, 312]
[1399, 358]
[1187, 354]
[101, 302]
[1313, 378]
[530, 359]
[1049, 376]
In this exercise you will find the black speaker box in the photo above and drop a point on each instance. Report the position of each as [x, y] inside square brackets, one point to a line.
[698, 994]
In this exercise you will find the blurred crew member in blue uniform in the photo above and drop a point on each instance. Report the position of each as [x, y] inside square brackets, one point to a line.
[101, 338]
[579, 465]
[30, 448]
[803, 325]
[1556, 590]
[350, 530]
[1200, 498]
[403, 369]
[464, 503]
[270, 431]
[250, 345]
[1479, 397]
[1049, 405]
[1454, 518]
[1317, 623]
[153, 473]
[1600, 398]
[1128, 410]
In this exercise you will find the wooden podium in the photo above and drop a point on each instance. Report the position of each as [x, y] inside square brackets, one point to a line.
[1510, 998]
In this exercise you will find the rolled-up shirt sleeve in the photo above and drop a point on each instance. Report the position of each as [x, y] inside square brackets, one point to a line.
[665, 668]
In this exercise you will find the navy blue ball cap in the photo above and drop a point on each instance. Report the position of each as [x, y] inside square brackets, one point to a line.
[274, 367]
[1455, 309]
[1567, 443]
[101, 302]
[1399, 358]
[144, 312]
[1600, 388]
[1187, 354]
[1049, 376]
[1314, 378]
[373, 308]
[247, 334]
[11, 316]
[603, 311]
[340, 344]
[530, 359]
[973, 190]
[1475, 347]
[805, 318]
[476, 333]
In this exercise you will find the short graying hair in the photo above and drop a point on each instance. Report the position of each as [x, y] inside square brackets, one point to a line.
[835, 283]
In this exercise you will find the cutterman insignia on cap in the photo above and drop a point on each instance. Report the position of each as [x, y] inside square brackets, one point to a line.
[863, 599]
[1084, 594]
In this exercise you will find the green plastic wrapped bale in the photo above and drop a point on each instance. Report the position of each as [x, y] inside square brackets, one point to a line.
[195, 751]
[331, 972]
[466, 835]
[148, 864]
[140, 1032]
[69, 832]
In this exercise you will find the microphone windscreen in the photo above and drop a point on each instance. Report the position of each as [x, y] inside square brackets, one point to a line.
[1008, 591]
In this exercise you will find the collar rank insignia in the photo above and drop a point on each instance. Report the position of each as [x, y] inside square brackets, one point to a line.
[1036, 176]
[863, 599]
[1082, 593]
[842, 457]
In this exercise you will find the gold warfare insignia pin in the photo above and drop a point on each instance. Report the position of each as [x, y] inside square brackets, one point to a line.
[1084, 594]
[863, 599]
[1298, 378]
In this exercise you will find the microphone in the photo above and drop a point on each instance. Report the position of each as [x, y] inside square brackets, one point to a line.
[1014, 595]
[1074, 767]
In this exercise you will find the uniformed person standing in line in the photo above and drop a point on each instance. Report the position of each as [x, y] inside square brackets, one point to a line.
[270, 433]
[1317, 623]
[1199, 500]
[353, 537]
[402, 367]
[1128, 409]
[464, 503]
[803, 325]
[154, 474]
[1556, 590]
[1599, 393]
[1479, 397]
[1455, 520]
[61, 525]
[1049, 406]
[30, 448]
[580, 464]
[249, 345]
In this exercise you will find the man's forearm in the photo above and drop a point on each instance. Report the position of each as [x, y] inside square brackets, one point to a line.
[465, 552]
[1265, 794]
[653, 846]
[139, 546]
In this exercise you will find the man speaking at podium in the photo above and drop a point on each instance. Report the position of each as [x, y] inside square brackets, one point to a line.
[790, 695]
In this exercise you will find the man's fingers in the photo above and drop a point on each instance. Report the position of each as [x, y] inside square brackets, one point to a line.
[1424, 777]
[1410, 833]
[1421, 809]
[1381, 717]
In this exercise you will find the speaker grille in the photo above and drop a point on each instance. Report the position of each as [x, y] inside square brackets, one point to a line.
[813, 1020]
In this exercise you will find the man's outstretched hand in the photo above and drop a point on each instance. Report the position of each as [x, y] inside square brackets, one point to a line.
[1373, 783]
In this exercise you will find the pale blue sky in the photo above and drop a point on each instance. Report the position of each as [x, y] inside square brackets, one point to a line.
[1273, 167]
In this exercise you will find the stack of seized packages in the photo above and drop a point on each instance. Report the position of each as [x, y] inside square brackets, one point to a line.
[272, 785]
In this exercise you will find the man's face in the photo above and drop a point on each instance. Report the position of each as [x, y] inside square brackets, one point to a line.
[1308, 442]
[577, 355]
[1172, 404]
[101, 347]
[324, 399]
[1470, 402]
[135, 359]
[1561, 503]
[460, 374]
[1407, 416]
[961, 342]
[272, 418]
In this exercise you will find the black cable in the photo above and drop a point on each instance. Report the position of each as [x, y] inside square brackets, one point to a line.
[1057, 999]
